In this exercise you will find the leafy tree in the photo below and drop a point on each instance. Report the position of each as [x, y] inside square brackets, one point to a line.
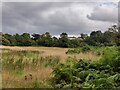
[10, 38]
[1, 38]
[54, 42]
[27, 41]
[109, 38]
[19, 40]
[63, 40]
[83, 36]
[5, 41]
[35, 36]
[44, 39]
[116, 30]
[97, 38]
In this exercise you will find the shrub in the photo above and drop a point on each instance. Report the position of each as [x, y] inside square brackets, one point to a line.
[85, 49]
[73, 51]
[85, 74]
[111, 57]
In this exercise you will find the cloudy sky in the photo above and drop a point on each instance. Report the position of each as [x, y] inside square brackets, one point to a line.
[57, 17]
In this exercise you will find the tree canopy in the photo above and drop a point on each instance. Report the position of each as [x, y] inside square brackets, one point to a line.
[96, 38]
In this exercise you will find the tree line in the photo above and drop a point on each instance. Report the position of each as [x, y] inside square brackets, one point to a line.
[96, 38]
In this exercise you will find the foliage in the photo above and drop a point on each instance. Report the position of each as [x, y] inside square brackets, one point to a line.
[102, 74]
[83, 49]
[17, 61]
[73, 51]
[111, 57]
[97, 38]
[73, 73]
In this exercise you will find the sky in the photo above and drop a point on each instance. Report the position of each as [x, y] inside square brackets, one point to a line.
[73, 17]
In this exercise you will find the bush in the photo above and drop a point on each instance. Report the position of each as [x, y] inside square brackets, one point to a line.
[73, 51]
[85, 49]
[86, 74]
[111, 57]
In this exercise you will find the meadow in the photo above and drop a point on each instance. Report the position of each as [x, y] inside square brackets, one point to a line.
[52, 67]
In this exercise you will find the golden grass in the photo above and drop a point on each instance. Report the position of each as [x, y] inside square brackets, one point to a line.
[54, 51]
[42, 73]
[11, 80]
[0, 80]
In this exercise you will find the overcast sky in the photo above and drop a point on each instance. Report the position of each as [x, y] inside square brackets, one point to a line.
[57, 17]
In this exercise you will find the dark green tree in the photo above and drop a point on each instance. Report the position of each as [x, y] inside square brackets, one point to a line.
[116, 33]
[5, 42]
[45, 39]
[55, 42]
[63, 40]
[27, 41]
[19, 40]
[35, 36]
[10, 38]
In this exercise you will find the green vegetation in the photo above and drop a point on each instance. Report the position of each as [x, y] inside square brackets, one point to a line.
[17, 65]
[84, 49]
[32, 69]
[110, 37]
[101, 74]
[73, 51]
[73, 73]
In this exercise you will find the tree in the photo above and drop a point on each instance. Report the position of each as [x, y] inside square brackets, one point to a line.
[44, 39]
[83, 36]
[74, 43]
[19, 40]
[63, 40]
[35, 36]
[95, 39]
[10, 38]
[26, 39]
[5, 41]
[116, 30]
[55, 42]
[109, 38]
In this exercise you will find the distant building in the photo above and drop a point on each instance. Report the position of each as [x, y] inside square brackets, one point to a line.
[71, 38]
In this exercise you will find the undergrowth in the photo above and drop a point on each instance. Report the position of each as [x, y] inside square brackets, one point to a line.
[101, 74]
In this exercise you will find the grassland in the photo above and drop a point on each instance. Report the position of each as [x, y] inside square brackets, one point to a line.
[52, 67]
[21, 62]
[53, 51]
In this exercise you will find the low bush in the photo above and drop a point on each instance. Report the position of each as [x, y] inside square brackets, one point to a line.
[73, 51]
[83, 49]
[86, 74]
[111, 57]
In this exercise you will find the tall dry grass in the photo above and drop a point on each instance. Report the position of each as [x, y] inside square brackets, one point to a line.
[19, 62]
[53, 51]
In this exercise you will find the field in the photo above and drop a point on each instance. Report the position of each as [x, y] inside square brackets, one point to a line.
[16, 77]
[45, 67]
[53, 51]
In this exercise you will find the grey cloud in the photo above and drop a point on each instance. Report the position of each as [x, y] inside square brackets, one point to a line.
[105, 13]
[27, 17]
[32, 17]
[119, 13]
[60, 0]
[0, 17]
